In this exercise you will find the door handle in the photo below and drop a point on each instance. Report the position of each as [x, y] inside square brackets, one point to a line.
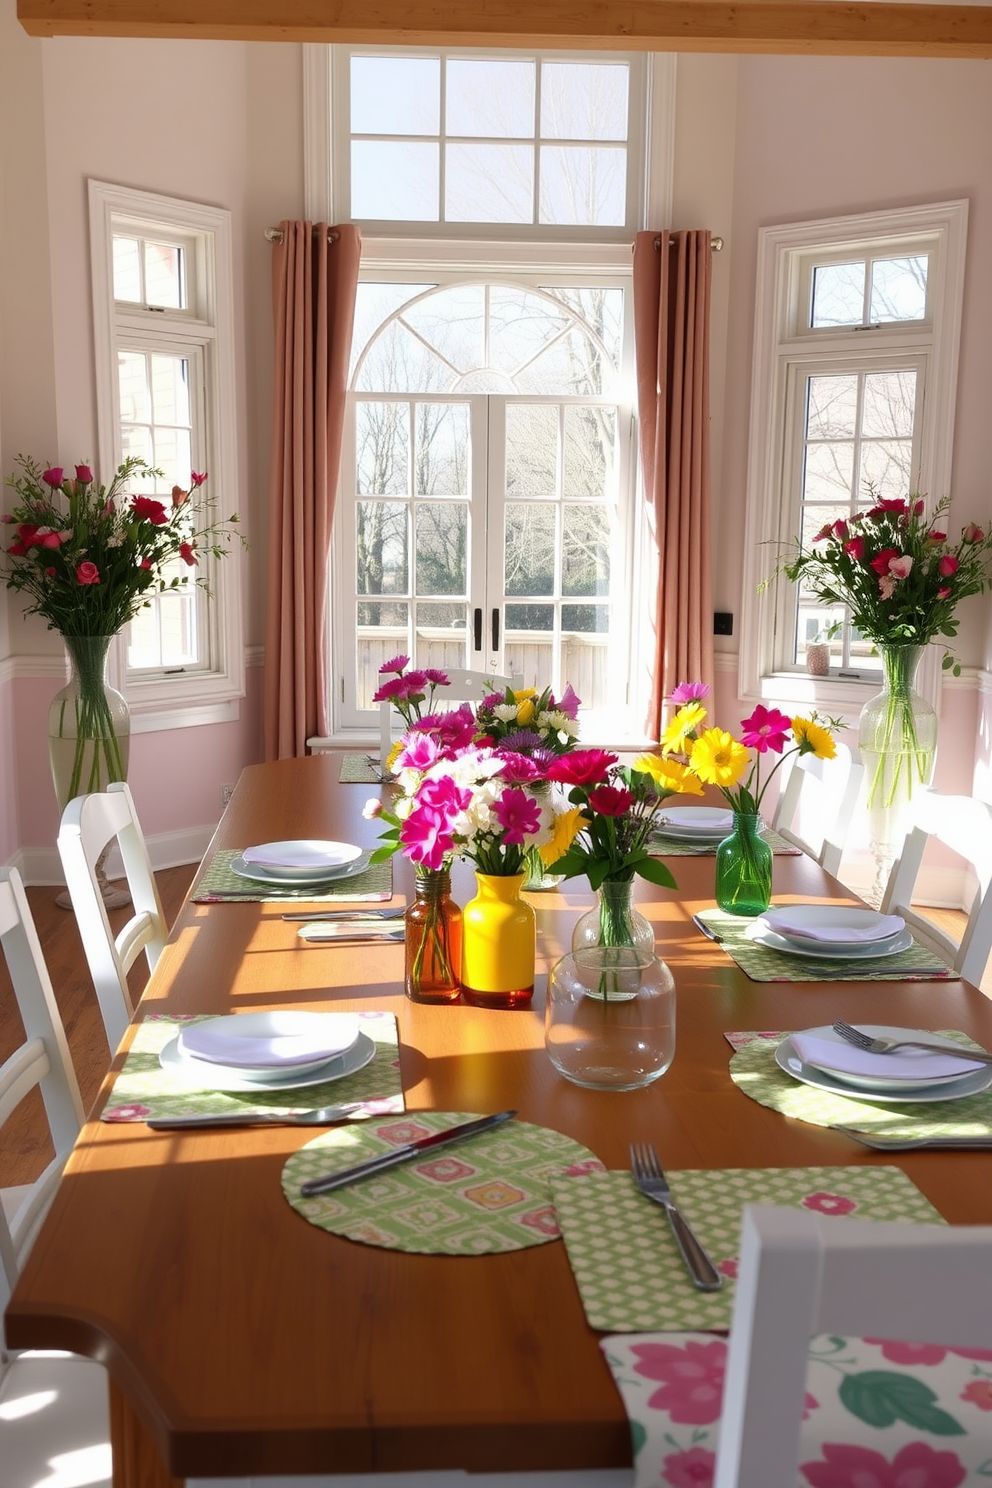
[477, 627]
[496, 629]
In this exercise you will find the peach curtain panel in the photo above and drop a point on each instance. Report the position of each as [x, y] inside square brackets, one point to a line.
[672, 278]
[314, 281]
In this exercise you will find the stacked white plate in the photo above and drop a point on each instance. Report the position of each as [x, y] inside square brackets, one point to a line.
[821, 1058]
[832, 932]
[703, 824]
[304, 861]
[268, 1051]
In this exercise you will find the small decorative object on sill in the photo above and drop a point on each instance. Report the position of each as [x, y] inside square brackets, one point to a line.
[818, 649]
[744, 868]
[499, 944]
[610, 1018]
[613, 920]
[88, 557]
[900, 578]
[433, 940]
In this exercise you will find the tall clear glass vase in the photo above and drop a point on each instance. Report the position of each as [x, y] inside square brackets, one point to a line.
[89, 735]
[897, 737]
[613, 920]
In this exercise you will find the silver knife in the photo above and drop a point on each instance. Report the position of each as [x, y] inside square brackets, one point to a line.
[707, 930]
[403, 1154]
[349, 914]
[321, 1116]
[916, 1144]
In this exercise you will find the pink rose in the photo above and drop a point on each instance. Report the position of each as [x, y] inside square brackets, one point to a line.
[87, 573]
[84, 475]
[947, 566]
[186, 554]
[855, 547]
[944, 593]
[918, 507]
[840, 529]
[881, 563]
[973, 533]
[53, 477]
[901, 568]
[936, 538]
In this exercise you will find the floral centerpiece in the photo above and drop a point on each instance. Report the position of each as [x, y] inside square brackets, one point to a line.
[901, 576]
[410, 692]
[87, 557]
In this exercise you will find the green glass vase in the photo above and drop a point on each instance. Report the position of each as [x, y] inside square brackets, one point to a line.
[744, 868]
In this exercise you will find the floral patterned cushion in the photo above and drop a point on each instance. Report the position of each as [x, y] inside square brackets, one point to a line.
[878, 1414]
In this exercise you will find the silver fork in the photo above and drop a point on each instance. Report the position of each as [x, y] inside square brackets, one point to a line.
[652, 1183]
[913, 1144]
[872, 1045]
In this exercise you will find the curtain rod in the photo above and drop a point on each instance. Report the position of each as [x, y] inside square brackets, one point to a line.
[715, 243]
[274, 235]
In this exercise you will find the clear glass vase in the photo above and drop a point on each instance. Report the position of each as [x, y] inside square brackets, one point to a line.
[89, 724]
[613, 920]
[609, 1021]
[433, 940]
[499, 944]
[744, 868]
[897, 737]
[538, 877]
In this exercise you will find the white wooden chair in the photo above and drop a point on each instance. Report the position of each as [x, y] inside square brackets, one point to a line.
[89, 823]
[465, 687]
[54, 1420]
[964, 825]
[826, 793]
[855, 1290]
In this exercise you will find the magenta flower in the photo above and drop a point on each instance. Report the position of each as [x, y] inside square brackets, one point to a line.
[568, 704]
[396, 665]
[444, 794]
[582, 766]
[187, 554]
[427, 836]
[947, 566]
[881, 562]
[197, 477]
[765, 729]
[87, 573]
[419, 752]
[611, 800]
[855, 548]
[517, 769]
[692, 1469]
[691, 1379]
[52, 477]
[518, 814]
[859, 1467]
[690, 692]
[491, 701]
[394, 688]
[456, 729]
[84, 475]
[146, 509]
[436, 678]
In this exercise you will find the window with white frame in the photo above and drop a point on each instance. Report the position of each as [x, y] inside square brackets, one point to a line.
[486, 514]
[164, 323]
[855, 366]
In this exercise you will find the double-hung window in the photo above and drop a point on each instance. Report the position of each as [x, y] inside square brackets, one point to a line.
[164, 318]
[857, 329]
[485, 514]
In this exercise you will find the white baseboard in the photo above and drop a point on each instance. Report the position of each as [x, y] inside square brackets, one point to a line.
[42, 865]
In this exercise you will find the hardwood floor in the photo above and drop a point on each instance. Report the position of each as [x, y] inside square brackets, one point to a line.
[25, 1146]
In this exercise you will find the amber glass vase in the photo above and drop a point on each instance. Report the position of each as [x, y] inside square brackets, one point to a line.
[433, 940]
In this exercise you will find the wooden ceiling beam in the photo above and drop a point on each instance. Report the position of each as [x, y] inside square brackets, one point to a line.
[826, 27]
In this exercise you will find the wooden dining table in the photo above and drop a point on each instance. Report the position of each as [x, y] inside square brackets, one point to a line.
[239, 1339]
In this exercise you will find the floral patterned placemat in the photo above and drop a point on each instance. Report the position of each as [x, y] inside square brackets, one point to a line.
[220, 884]
[673, 847]
[627, 1265]
[763, 964]
[360, 769]
[488, 1194]
[753, 1070]
[143, 1088]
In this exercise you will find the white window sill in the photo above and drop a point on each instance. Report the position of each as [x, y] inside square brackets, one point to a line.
[161, 720]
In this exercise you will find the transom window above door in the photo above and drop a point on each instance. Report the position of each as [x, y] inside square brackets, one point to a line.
[483, 513]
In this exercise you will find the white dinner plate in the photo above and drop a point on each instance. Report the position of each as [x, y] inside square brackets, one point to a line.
[305, 855]
[956, 1089]
[821, 951]
[709, 819]
[891, 1080]
[832, 924]
[276, 1042]
[206, 1076]
[300, 879]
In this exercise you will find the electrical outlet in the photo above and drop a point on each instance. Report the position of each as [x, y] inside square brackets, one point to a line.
[723, 623]
[226, 792]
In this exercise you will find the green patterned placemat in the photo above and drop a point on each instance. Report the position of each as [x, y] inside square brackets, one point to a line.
[487, 1194]
[763, 964]
[220, 884]
[672, 847]
[360, 769]
[627, 1265]
[753, 1070]
[143, 1088]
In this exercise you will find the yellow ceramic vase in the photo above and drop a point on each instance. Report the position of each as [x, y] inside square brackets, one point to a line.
[499, 941]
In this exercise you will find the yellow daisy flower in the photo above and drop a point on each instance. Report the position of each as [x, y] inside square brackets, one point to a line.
[669, 775]
[718, 759]
[394, 754]
[685, 722]
[566, 828]
[812, 738]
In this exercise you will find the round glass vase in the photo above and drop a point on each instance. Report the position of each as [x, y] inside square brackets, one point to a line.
[744, 868]
[433, 940]
[499, 944]
[609, 1020]
[613, 920]
[538, 878]
[89, 724]
[897, 737]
